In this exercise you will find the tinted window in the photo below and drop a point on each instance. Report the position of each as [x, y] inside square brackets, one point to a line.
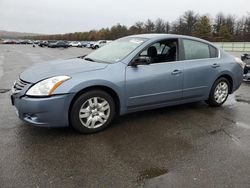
[195, 50]
[159, 47]
[162, 51]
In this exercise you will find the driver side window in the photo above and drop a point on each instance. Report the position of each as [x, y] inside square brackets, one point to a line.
[162, 51]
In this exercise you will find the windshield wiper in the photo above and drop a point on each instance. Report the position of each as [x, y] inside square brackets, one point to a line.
[89, 59]
[95, 60]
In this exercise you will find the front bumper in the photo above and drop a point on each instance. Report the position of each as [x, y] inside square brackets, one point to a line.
[44, 112]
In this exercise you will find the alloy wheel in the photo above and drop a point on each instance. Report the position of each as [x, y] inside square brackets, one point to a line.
[221, 92]
[94, 112]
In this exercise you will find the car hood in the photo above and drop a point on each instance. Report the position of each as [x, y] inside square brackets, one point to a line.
[60, 67]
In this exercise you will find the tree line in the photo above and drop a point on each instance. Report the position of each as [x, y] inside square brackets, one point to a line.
[219, 28]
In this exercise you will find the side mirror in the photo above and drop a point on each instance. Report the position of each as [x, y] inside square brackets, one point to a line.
[141, 61]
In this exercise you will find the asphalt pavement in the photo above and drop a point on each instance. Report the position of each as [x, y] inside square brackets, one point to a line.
[190, 145]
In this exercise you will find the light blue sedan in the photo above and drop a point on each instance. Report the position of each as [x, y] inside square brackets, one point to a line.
[134, 73]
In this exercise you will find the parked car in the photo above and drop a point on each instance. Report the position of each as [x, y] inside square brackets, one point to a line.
[43, 43]
[84, 44]
[100, 44]
[30, 42]
[25, 42]
[246, 58]
[8, 41]
[90, 44]
[59, 44]
[134, 73]
[75, 44]
[36, 42]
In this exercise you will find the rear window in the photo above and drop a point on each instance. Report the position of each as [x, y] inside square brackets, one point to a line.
[196, 50]
[213, 52]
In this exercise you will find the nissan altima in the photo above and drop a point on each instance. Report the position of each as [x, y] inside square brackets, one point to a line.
[134, 73]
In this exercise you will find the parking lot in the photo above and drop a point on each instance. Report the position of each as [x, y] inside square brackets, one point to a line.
[183, 146]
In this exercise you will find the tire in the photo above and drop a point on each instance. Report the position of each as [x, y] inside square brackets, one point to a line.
[86, 117]
[219, 92]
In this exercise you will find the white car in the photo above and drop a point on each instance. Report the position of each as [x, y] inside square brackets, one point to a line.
[90, 44]
[75, 44]
[100, 44]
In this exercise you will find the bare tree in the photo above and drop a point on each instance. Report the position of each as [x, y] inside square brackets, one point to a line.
[189, 20]
[219, 22]
[167, 27]
[137, 28]
[246, 30]
[160, 26]
[149, 26]
[230, 23]
[180, 26]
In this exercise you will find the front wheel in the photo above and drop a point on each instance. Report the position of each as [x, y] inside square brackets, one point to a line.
[219, 92]
[93, 111]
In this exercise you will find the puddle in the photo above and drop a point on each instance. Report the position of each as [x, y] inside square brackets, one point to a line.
[4, 90]
[152, 173]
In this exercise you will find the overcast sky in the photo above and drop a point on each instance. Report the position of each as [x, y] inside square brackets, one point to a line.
[62, 16]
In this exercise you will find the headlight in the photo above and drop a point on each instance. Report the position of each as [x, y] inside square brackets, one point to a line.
[47, 86]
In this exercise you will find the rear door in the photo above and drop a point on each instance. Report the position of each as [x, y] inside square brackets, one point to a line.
[201, 66]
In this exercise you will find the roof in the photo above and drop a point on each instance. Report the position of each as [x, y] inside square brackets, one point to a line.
[156, 36]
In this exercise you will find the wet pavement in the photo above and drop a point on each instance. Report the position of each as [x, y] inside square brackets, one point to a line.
[189, 145]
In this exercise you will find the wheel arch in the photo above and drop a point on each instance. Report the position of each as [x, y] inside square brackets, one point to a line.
[229, 78]
[107, 89]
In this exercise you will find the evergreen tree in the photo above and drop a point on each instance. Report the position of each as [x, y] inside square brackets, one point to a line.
[203, 28]
[224, 34]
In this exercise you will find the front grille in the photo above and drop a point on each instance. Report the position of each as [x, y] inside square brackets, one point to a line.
[19, 85]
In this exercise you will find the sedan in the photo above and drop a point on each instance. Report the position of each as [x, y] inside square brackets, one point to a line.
[131, 74]
[59, 44]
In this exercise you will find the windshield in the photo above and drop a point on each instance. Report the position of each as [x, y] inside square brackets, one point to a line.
[117, 50]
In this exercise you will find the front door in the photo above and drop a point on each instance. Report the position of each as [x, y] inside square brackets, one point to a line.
[158, 83]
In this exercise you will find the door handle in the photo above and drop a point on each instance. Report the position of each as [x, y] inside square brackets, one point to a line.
[215, 65]
[175, 72]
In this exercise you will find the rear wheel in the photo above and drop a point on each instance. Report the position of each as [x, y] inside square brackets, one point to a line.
[219, 92]
[93, 111]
